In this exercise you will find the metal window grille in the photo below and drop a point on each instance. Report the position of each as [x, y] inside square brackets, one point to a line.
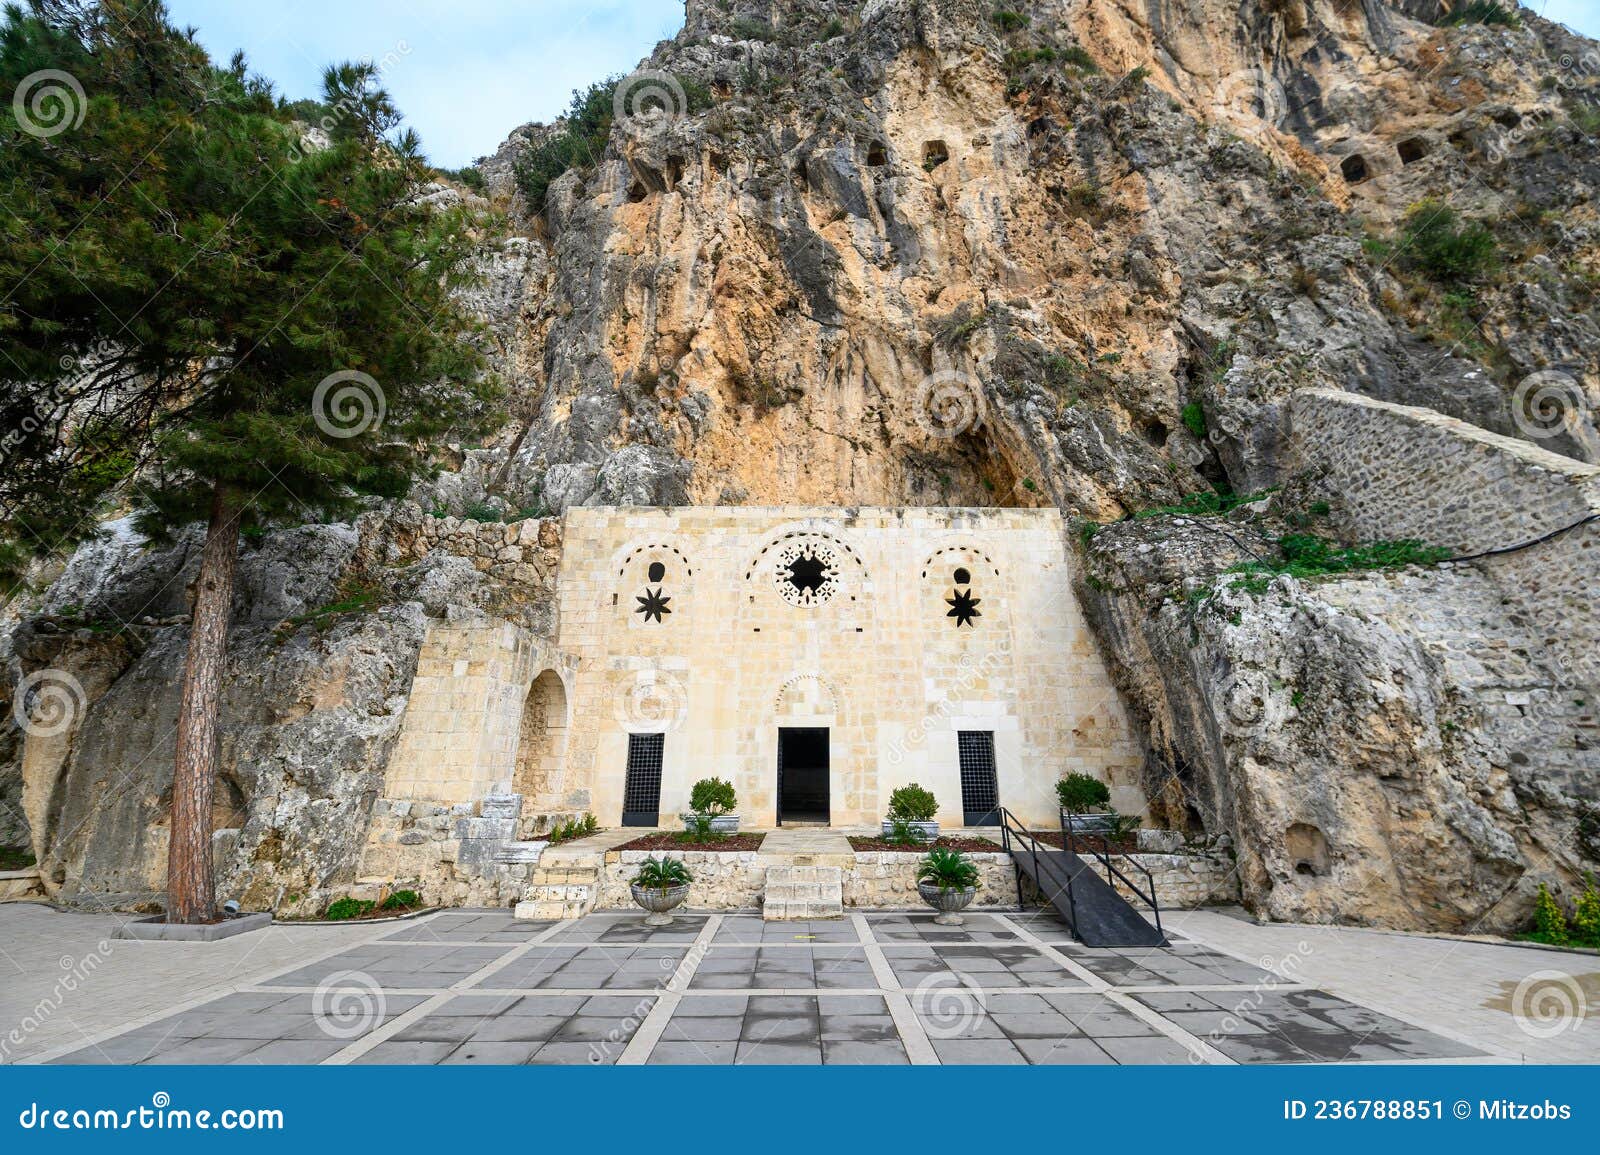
[980, 788]
[641, 793]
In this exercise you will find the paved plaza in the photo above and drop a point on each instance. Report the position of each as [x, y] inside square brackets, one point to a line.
[881, 988]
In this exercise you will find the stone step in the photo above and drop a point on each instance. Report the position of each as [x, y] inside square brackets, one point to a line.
[794, 892]
[529, 852]
[560, 892]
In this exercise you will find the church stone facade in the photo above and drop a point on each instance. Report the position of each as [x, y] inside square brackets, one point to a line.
[817, 658]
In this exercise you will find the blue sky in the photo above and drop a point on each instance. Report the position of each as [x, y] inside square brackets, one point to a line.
[466, 72]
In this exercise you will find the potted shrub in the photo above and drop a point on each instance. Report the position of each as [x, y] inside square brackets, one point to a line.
[1086, 804]
[711, 803]
[660, 885]
[947, 880]
[915, 807]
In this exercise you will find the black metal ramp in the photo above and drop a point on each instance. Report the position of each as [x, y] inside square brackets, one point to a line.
[1097, 914]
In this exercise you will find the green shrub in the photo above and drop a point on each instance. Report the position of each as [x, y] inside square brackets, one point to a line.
[16, 858]
[1482, 12]
[1586, 915]
[343, 908]
[1077, 57]
[1435, 242]
[913, 804]
[1306, 555]
[574, 828]
[580, 143]
[402, 900]
[1008, 21]
[662, 873]
[1549, 922]
[480, 511]
[1081, 793]
[712, 796]
[1194, 419]
[948, 870]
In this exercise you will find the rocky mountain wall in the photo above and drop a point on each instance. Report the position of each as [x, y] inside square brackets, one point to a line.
[907, 252]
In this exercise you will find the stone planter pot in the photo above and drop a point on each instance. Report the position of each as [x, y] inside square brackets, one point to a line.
[947, 902]
[1089, 823]
[658, 902]
[927, 831]
[720, 823]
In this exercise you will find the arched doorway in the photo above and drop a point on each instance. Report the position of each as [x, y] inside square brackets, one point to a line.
[542, 747]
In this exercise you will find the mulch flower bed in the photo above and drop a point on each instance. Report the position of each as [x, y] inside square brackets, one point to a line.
[945, 842]
[1087, 843]
[667, 840]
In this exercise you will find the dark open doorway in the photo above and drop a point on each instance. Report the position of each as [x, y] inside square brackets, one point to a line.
[802, 774]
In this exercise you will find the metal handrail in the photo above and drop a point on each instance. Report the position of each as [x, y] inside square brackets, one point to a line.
[1009, 826]
[1069, 843]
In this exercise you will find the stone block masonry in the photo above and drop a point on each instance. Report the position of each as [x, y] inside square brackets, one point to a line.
[1405, 472]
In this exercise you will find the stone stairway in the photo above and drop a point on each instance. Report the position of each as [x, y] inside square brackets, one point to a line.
[560, 890]
[794, 892]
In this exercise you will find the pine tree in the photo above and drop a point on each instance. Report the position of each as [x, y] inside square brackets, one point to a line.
[212, 316]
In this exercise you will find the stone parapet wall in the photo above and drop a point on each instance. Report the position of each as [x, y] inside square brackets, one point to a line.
[1404, 472]
[1182, 881]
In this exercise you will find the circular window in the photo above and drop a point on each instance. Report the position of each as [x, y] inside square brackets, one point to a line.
[657, 571]
[806, 573]
[962, 577]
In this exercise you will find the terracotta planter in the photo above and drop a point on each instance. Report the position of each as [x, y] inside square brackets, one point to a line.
[926, 831]
[947, 901]
[658, 902]
[720, 823]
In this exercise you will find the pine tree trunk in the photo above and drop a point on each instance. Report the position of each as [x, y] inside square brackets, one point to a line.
[191, 890]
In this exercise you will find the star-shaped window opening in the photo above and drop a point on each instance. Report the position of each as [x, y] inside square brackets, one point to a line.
[807, 574]
[963, 608]
[652, 605]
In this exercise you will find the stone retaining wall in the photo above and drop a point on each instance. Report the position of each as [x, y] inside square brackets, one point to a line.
[1404, 472]
[887, 880]
[15, 884]
[723, 880]
[429, 848]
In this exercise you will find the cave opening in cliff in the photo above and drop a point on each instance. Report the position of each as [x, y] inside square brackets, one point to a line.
[1354, 168]
[877, 154]
[1412, 149]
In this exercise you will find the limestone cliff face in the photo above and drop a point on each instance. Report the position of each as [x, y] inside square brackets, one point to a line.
[745, 302]
[892, 253]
